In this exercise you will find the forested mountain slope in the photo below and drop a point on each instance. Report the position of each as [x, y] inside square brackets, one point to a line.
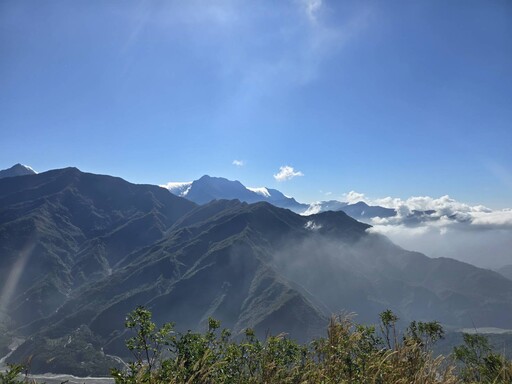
[78, 251]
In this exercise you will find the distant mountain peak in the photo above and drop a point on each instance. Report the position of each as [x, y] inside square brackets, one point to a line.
[17, 169]
[19, 166]
[218, 180]
[208, 188]
[209, 178]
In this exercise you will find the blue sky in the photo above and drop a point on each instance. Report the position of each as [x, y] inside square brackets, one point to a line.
[393, 98]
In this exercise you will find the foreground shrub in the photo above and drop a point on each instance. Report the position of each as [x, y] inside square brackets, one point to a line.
[350, 353]
[12, 375]
[479, 364]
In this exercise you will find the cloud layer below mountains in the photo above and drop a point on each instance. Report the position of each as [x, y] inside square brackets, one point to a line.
[444, 227]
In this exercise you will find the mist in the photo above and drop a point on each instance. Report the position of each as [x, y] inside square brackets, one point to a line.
[445, 227]
[484, 248]
[364, 276]
[371, 274]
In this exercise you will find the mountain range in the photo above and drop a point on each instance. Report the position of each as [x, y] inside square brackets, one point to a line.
[78, 251]
[208, 188]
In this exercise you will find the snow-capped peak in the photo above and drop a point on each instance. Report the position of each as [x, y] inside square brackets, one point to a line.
[262, 191]
[17, 170]
[28, 168]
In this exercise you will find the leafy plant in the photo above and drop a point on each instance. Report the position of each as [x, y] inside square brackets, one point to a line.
[479, 363]
[146, 347]
[11, 375]
[351, 353]
[388, 327]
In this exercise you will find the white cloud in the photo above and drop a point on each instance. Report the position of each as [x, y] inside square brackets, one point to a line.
[438, 212]
[260, 191]
[440, 227]
[178, 188]
[423, 210]
[313, 209]
[445, 227]
[494, 218]
[175, 184]
[353, 197]
[311, 7]
[312, 226]
[238, 163]
[286, 173]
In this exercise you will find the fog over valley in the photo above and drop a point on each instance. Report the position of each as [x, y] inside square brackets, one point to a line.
[444, 227]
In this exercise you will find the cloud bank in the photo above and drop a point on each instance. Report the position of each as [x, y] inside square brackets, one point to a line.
[441, 212]
[445, 227]
[286, 173]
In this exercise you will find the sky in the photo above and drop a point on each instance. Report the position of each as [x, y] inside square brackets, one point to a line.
[313, 97]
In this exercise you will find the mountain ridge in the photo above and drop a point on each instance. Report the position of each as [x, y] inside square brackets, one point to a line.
[91, 248]
[208, 188]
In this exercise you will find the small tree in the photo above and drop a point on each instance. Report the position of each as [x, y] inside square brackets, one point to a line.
[425, 334]
[146, 346]
[388, 327]
[479, 363]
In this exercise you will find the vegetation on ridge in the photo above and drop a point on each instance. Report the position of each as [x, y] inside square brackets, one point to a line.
[351, 353]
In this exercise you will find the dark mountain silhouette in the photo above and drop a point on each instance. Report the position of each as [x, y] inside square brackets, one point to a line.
[78, 251]
[65, 227]
[506, 271]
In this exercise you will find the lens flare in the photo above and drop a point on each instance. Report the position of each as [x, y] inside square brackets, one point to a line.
[13, 278]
